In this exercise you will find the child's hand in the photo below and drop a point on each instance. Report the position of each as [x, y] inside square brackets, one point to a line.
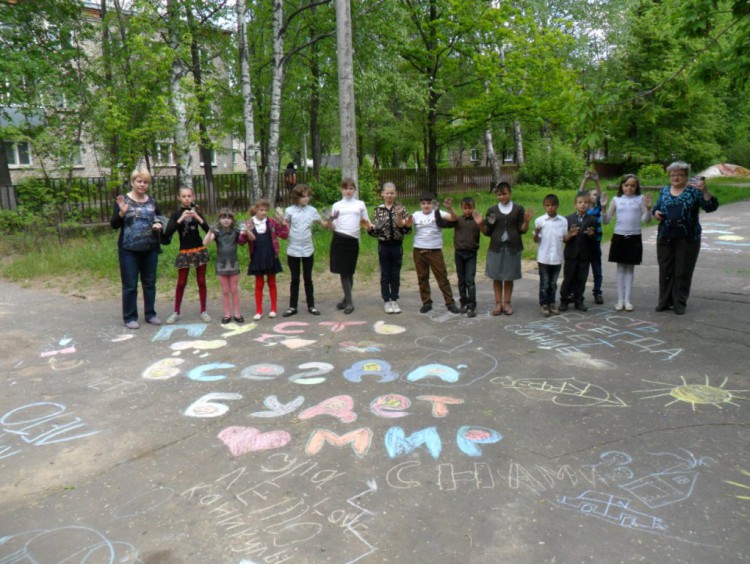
[476, 214]
[593, 175]
[528, 214]
[647, 200]
[573, 231]
[448, 203]
[590, 232]
[335, 215]
[435, 205]
[603, 199]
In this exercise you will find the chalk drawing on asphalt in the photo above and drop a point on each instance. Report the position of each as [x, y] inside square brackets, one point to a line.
[742, 486]
[563, 391]
[242, 440]
[695, 394]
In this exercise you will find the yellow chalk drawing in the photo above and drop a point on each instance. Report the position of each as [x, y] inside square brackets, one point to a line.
[743, 486]
[695, 393]
[730, 238]
[383, 328]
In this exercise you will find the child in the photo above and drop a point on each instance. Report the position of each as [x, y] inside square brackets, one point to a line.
[300, 250]
[466, 245]
[390, 228]
[549, 232]
[193, 253]
[629, 209]
[347, 215]
[261, 234]
[227, 266]
[428, 253]
[504, 224]
[580, 245]
[597, 203]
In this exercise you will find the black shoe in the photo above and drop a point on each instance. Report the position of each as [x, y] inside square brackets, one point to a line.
[679, 310]
[580, 307]
[463, 309]
[341, 305]
[425, 308]
[470, 312]
[598, 299]
[661, 308]
[452, 308]
[348, 309]
[563, 306]
[313, 310]
[225, 320]
[239, 319]
[290, 312]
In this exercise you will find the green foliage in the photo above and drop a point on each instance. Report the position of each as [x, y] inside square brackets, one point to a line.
[653, 174]
[327, 190]
[551, 163]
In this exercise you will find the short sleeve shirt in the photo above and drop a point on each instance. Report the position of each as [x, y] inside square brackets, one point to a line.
[551, 245]
[301, 220]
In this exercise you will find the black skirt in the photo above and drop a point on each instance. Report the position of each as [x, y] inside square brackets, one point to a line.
[626, 249]
[344, 254]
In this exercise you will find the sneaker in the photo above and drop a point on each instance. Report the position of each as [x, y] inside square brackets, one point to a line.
[132, 324]
[580, 306]
[619, 306]
[272, 314]
[388, 307]
[154, 320]
[463, 309]
[629, 306]
[257, 316]
[425, 308]
[452, 308]
[205, 317]
[173, 318]
[553, 310]
[395, 308]
[563, 307]
[598, 299]
[545, 311]
[470, 312]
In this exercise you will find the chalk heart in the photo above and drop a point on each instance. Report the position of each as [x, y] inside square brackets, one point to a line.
[241, 440]
[449, 343]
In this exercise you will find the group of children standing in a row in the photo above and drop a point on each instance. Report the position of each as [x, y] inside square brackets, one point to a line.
[573, 241]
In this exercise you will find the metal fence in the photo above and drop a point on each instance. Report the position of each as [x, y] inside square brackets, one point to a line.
[94, 197]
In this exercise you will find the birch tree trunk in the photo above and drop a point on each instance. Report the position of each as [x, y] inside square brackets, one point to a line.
[274, 124]
[489, 149]
[184, 160]
[251, 150]
[346, 92]
[518, 136]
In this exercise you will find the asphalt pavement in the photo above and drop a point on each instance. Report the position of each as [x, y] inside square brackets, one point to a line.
[595, 436]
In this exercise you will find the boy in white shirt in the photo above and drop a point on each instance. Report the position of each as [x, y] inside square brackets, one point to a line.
[428, 253]
[549, 231]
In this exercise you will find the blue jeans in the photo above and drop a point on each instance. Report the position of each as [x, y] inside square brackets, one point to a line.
[132, 265]
[548, 275]
[391, 258]
[596, 269]
[466, 268]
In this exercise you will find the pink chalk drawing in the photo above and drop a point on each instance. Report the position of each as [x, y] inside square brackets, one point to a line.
[440, 404]
[340, 407]
[359, 439]
[390, 406]
[241, 440]
[337, 326]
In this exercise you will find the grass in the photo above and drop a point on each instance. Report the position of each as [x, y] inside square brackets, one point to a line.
[88, 264]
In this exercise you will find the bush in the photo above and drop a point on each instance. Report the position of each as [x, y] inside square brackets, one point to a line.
[326, 191]
[552, 163]
[653, 174]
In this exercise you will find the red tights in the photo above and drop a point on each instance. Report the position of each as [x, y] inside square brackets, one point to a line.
[259, 292]
[182, 278]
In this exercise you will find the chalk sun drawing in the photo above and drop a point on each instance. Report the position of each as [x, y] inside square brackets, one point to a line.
[743, 486]
[700, 394]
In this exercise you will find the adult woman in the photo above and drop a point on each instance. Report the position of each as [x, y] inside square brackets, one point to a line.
[678, 240]
[135, 214]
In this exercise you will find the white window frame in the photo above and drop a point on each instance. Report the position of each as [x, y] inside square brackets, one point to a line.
[162, 150]
[14, 157]
[213, 158]
[474, 156]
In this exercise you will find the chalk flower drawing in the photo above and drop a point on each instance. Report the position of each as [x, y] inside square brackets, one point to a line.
[695, 393]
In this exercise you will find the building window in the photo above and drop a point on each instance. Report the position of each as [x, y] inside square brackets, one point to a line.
[164, 154]
[474, 156]
[18, 153]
